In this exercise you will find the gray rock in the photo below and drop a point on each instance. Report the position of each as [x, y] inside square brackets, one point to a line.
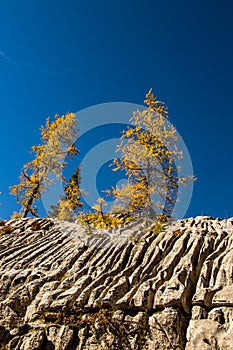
[126, 288]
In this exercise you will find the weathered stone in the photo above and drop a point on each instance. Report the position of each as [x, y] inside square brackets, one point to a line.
[64, 289]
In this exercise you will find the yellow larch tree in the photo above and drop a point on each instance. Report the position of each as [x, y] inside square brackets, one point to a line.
[58, 139]
[70, 203]
[148, 149]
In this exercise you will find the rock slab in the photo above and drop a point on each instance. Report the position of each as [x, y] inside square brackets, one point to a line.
[64, 286]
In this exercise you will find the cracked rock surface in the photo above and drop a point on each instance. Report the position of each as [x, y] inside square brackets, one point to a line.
[64, 287]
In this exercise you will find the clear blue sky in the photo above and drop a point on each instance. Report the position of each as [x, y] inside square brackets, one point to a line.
[59, 56]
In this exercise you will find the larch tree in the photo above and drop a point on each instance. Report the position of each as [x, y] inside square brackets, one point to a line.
[148, 149]
[58, 139]
[70, 203]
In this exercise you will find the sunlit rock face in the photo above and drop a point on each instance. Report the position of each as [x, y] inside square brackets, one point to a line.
[63, 286]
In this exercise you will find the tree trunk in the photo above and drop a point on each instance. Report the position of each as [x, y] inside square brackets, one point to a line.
[27, 208]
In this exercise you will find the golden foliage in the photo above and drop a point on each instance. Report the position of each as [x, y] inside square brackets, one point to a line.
[6, 229]
[148, 150]
[101, 220]
[65, 212]
[104, 221]
[16, 215]
[58, 139]
[69, 204]
[157, 227]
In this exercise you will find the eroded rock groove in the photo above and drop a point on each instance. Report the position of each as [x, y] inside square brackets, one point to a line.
[128, 288]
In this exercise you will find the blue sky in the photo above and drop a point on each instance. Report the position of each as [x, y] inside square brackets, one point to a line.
[60, 56]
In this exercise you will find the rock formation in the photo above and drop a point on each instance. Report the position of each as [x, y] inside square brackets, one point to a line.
[64, 287]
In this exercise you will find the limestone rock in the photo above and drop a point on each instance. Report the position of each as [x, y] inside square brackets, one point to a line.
[65, 287]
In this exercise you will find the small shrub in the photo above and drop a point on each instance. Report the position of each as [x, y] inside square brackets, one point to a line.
[16, 215]
[104, 221]
[157, 228]
[177, 232]
[6, 229]
[135, 238]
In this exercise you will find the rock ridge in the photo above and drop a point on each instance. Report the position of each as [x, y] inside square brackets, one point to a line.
[66, 286]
